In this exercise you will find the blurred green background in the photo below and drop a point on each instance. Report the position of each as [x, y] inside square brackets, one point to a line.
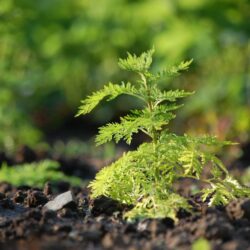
[55, 52]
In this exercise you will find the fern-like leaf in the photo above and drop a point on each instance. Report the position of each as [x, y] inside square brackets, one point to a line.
[172, 71]
[137, 64]
[222, 192]
[109, 91]
[133, 123]
[189, 160]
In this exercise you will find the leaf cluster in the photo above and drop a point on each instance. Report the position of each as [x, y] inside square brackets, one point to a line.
[145, 177]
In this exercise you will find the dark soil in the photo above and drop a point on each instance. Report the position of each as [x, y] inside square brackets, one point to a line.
[98, 224]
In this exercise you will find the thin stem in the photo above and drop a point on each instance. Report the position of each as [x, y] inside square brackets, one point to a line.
[153, 132]
[145, 132]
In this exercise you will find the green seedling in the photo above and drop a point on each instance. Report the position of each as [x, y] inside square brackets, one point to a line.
[145, 178]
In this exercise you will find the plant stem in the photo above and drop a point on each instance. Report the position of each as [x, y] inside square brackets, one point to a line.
[153, 132]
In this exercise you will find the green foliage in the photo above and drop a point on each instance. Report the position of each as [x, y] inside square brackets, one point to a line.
[223, 191]
[35, 174]
[111, 91]
[139, 64]
[54, 52]
[144, 178]
[15, 129]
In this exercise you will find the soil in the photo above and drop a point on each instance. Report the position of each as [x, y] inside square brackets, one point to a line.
[98, 224]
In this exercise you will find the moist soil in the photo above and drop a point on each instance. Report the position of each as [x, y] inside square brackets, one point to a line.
[98, 224]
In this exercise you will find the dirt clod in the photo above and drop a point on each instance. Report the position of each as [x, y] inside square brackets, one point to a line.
[35, 198]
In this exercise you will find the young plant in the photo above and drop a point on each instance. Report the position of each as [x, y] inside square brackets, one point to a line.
[144, 178]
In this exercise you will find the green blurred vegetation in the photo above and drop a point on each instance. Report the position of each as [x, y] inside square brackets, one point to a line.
[245, 178]
[36, 174]
[76, 148]
[54, 52]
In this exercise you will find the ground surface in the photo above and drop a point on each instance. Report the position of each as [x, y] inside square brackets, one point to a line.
[86, 224]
